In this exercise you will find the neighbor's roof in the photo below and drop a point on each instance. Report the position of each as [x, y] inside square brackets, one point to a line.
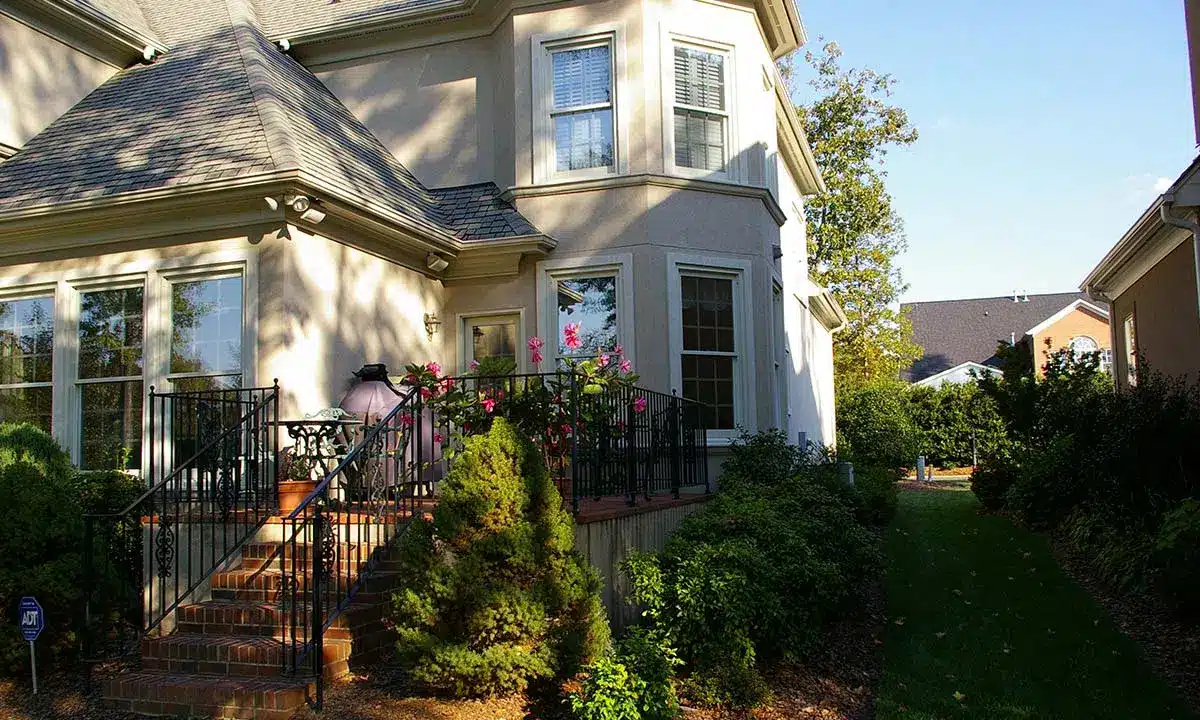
[953, 332]
[224, 103]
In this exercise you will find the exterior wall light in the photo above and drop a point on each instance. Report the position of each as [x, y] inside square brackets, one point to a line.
[436, 263]
[432, 322]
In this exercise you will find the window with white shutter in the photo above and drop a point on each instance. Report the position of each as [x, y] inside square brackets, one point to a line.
[701, 115]
[582, 109]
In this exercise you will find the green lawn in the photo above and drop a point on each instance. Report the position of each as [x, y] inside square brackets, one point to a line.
[982, 623]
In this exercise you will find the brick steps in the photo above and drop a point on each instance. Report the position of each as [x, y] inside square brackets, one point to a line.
[225, 657]
[155, 693]
[233, 655]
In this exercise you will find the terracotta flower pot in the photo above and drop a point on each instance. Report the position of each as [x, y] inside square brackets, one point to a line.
[292, 493]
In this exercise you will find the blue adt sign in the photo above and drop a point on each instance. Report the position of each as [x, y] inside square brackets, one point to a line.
[33, 618]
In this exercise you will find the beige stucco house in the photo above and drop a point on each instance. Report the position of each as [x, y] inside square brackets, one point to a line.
[224, 192]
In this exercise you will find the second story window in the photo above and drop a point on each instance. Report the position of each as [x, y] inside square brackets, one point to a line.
[701, 109]
[582, 110]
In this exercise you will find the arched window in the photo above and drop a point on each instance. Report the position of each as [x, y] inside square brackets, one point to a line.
[1082, 345]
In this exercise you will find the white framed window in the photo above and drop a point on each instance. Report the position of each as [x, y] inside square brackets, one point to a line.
[577, 121]
[711, 340]
[594, 292]
[1129, 327]
[27, 359]
[698, 125]
[207, 317]
[495, 338]
[177, 324]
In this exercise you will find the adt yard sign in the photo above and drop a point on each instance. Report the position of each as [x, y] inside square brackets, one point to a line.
[33, 621]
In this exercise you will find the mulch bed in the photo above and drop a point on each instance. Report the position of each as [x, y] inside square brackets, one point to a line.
[62, 695]
[948, 483]
[381, 693]
[836, 681]
[1171, 645]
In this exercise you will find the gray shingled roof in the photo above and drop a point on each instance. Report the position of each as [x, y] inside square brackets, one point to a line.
[476, 212]
[223, 103]
[953, 332]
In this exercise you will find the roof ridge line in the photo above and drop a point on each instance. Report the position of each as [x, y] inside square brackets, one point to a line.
[277, 128]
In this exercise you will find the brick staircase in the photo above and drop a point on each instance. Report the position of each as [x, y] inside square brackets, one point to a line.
[225, 656]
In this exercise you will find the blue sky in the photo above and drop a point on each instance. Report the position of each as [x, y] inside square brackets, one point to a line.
[1046, 129]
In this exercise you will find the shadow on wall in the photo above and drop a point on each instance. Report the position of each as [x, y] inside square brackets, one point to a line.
[338, 309]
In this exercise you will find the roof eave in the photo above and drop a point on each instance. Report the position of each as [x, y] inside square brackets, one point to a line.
[86, 223]
[793, 143]
[496, 257]
[781, 22]
[826, 307]
[1099, 280]
[84, 29]
[384, 21]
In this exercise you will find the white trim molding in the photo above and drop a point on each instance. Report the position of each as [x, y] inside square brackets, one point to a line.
[1071, 307]
[740, 271]
[549, 272]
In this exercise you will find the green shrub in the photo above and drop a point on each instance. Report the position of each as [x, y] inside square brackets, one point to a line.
[1177, 553]
[755, 574]
[878, 494]
[991, 480]
[875, 428]
[636, 682]
[957, 421]
[493, 594]
[763, 459]
[41, 542]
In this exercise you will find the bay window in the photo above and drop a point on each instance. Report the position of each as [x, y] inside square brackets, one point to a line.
[711, 340]
[27, 360]
[595, 293]
[701, 109]
[576, 123]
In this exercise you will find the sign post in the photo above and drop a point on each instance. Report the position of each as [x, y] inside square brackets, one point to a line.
[33, 621]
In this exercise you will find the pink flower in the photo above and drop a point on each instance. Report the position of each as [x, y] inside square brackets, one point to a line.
[571, 336]
[626, 366]
[604, 358]
[434, 368]
[618, 350]
[474, 365]
[426, 393]
[438, 438]
[489, 404]
[536, 356]
[535, 343]
[639, 404]
[406, 420]
[620, 426]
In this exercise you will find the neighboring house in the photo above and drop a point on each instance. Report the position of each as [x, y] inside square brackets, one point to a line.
[1152, 279]
[213, 193]
[960, 337]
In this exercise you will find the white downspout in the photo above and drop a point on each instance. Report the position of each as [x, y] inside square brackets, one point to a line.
[1164, 211]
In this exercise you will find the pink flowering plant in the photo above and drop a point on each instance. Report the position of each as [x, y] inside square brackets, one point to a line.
[549, 408]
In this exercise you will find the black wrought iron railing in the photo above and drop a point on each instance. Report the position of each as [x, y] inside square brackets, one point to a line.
[332, 541]
[211, 476]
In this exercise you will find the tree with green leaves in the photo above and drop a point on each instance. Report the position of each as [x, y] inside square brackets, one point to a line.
[854, 234]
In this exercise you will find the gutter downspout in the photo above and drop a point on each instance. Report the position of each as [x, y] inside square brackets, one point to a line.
[1164, 211]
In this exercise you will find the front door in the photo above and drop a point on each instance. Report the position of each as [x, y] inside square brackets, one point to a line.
[493, 342]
